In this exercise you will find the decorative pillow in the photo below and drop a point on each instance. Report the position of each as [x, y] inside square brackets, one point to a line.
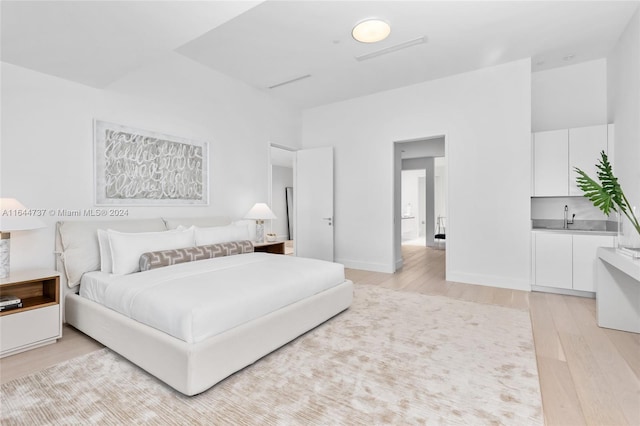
[220, 234]
[105, 251]
[126, 248]
[158, 259]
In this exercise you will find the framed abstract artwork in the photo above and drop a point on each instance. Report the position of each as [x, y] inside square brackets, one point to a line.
[139, 167]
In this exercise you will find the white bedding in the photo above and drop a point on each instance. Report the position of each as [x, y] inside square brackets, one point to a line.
[196, 300]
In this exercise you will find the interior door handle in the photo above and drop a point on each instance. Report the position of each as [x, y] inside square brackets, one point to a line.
[330, 219]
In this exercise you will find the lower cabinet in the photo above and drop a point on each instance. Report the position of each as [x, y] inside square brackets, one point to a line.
[585, 259]
[566, 261]
[553, 260]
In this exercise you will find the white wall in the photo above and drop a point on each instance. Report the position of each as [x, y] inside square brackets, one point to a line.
[624, 108]
[571, 96]
[282, 177]
[47, 143]
[486, 118]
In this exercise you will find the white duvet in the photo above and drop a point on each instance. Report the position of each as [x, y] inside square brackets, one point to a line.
[196, 300]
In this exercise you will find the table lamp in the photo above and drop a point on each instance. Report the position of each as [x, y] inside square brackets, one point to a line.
[260, 212]
[14, 216]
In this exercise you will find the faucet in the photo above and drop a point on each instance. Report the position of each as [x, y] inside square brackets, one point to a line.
[566, 221]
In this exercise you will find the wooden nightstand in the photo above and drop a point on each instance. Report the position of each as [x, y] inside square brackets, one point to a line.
[38, 322]
[276, 247]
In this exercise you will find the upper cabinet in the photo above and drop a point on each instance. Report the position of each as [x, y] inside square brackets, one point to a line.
[585, 145]
[550, 159]
[557, 152]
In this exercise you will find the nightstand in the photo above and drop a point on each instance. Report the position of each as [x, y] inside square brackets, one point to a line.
[38, 322]
[276, 247]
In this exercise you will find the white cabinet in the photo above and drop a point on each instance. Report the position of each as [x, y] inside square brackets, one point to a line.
[553, 259]
[557, 152]
[38, 321]
[566, 261]
[585, 145]
[550, 159]
[585, 259]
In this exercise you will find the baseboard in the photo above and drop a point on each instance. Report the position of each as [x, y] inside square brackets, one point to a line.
[490, 281]
[565, 291]
[399, 263]
[366, 266]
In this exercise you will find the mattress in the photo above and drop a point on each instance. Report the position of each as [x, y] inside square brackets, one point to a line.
[197, 300]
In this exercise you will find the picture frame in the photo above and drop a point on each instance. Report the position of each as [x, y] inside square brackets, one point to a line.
[135, 167]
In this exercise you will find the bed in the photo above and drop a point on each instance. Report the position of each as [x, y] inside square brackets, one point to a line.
[193, 324]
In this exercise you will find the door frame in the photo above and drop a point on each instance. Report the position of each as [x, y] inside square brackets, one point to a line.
[396, 190]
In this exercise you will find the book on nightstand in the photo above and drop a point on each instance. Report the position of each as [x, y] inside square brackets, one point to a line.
[9, 307]
[9, 302]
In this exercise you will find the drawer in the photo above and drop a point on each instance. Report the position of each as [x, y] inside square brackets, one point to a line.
[29, 328]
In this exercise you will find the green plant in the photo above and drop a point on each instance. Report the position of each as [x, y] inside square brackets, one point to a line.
[606, 195]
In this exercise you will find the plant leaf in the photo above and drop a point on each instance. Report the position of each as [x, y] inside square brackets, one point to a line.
[608, 195]
[598, 195]
[610, 182]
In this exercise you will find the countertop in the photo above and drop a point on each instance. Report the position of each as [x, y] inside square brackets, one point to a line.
[623, 262]
[579, 227]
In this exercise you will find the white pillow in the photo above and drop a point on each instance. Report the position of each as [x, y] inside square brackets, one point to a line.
[126, 248]
[105, 251]
[248, 224]
[221, 234]
[106, 263]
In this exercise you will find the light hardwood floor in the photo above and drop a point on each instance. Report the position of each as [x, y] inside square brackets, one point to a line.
[588, 375]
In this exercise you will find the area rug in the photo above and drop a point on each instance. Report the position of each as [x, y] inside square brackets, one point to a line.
[392, 358]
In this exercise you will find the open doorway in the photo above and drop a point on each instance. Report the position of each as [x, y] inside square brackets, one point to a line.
[420, 194]
[281, 195]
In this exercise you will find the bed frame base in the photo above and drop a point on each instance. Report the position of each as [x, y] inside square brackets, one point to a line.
[192, 368]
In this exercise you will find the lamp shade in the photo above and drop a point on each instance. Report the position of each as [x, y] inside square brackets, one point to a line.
[14, 216]
[260, 211]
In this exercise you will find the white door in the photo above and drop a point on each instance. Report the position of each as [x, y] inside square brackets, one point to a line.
[314, 203]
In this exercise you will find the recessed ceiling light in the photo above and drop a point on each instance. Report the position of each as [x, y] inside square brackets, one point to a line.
[371, 31]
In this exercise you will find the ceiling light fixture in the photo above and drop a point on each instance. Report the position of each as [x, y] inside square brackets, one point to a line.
[371, 31]
[393, 48]
[293, 80]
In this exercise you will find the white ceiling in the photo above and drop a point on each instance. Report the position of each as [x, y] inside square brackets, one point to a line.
[98, 42]
[266, 43]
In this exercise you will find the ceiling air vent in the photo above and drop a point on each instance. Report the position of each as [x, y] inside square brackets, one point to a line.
[293, 80]
[393, 48]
